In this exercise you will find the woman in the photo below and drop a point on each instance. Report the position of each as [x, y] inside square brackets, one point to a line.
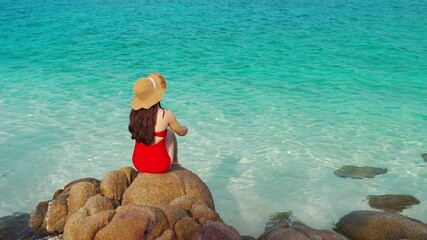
[156, 149]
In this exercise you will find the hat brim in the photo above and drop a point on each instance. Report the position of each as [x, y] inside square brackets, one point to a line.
[147, 102]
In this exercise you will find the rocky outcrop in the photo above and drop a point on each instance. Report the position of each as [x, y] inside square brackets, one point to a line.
[369, 225]
[126, 204]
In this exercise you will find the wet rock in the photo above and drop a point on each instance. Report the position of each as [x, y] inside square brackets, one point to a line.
[359, 172]
[16, 227]
[392, 202]
[37, 217]
[368, 225]
[424, 156]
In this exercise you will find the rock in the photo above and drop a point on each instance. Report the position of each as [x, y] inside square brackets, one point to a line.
[74, 224]
[167, 235]
[392, 202]
[114, 184]
[369, 225]
[134, 222]
[79, 194]
[187, 228]
[37, 217]
[63, 194]
[201, 209]
[219, 230]
[130, 173]
[56, 215]
[185, 202]
[424, 156]
[284, 217]
[284, 231]
[99, 203]
[359, 172]
[16, 227]
[149, 189]
[174, 205]
[92, 224]
[172, 213]
[194, 186]
[245, 237]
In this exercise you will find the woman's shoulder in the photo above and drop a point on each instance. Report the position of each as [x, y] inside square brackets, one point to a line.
[168, 113]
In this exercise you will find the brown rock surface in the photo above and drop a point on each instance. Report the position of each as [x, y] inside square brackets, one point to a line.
[74, 223]
[79, 194]
[187, 228]
[201, 209]
[172, 213]
[99, 203]
[114, 184]
[148, 189]
[185, 202]
[219, 230]
[56, 215]
[130, 173]
[369, 225]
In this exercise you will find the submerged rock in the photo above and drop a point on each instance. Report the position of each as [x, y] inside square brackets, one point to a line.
[359, 172]
[392, 202]
[424, 156]
[369, 225]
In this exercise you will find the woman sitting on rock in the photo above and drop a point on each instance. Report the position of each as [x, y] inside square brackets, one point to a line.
[156, 148]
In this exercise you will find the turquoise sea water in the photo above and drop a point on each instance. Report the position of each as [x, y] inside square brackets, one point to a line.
[277, 95]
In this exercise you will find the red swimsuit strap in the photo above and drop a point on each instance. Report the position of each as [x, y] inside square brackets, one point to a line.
[161, 134]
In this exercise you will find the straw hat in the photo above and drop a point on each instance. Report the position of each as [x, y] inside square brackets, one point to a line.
[148, 90]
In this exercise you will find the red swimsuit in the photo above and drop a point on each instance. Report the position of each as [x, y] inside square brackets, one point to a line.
[152, 158]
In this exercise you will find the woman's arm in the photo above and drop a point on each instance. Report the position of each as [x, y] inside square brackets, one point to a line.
[175, 125]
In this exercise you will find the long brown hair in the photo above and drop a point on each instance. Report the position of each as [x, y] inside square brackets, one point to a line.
[142, 123]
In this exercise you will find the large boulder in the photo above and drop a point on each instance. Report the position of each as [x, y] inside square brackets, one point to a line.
[149, 188]
[369, 225]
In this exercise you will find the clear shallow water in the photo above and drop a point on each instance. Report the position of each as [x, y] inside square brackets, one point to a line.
[277, 95]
